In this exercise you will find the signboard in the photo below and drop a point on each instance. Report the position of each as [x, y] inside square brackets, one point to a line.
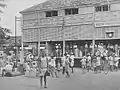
[102, 24]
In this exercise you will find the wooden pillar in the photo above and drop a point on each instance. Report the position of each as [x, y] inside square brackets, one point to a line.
[38, 42]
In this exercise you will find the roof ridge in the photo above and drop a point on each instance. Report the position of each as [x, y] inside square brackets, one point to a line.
[52, 4]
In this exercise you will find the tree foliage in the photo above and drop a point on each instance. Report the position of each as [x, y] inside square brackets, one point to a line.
[3, 31]
[4, 35]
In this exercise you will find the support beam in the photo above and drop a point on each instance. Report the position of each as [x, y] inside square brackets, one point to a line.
[15, 37]
[22, 42]
[93, 43]
[38, 42]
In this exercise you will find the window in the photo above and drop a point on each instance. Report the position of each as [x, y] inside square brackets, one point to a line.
[54, 13]
[98, 9]
[51, 13]
[71, 11]
[105, 7]
[67, 11]
[48, 14]
[75, 11]
[101, 8]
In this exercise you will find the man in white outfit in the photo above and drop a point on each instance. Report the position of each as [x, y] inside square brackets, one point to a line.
[72, 62]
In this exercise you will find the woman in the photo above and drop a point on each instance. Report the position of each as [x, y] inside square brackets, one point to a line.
[43, 67]
[98, 63]
[83, 62]
[52, 66]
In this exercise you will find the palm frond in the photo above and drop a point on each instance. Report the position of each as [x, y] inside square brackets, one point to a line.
[6, 30]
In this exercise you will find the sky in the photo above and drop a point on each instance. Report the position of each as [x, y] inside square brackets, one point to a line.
[13, 8]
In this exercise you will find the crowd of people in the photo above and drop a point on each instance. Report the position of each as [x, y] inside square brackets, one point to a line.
[49, 65]
[9, 65]
[103, 60]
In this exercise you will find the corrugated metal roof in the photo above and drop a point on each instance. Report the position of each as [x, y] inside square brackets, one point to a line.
[53, 4]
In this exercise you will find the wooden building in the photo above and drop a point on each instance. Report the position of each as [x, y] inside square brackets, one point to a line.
[77, 21]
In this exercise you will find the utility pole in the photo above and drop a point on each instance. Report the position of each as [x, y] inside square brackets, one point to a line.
[16, 49]
[93, 38]
[63, 31]
[38, 42]
[22, 42]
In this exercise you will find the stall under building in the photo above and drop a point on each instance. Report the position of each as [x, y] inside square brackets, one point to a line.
[77, 22]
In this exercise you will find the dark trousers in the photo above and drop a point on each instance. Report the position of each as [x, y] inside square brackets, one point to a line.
[63, 70]
[3, 72]
[72, 69]
[67, 73]
[41, 80]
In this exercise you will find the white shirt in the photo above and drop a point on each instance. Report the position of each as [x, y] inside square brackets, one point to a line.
[89, 58]
[43, 62]
[83, 61]
[8, 67]
[63, 61]
[72, 60]
[52, 62]
[98, 61]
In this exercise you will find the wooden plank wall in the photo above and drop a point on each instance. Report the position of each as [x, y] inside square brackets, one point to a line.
[77, 27]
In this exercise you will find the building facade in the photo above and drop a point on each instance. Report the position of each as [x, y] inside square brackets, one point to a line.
[78, 22]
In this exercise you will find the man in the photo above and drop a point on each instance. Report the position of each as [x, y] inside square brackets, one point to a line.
[67, 64]
[116, 62]
[88, 62]
[111, 62]
[63, 63]
[72, 62]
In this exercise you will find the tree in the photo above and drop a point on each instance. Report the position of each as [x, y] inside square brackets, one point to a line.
[4, 35]
[3, 31]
